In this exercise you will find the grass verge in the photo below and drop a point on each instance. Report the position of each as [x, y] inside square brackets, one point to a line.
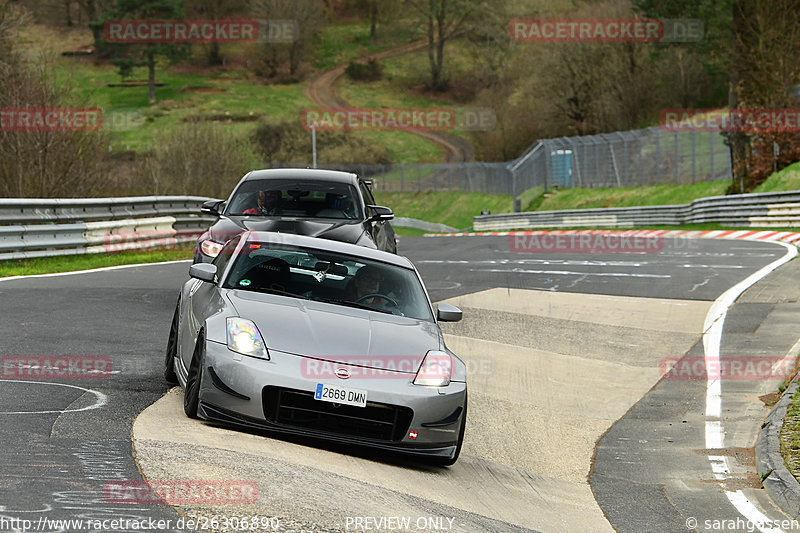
[71, 263]
[629, 196]
[708, 226]
[453, 208]
[787, 179]
[790, 437]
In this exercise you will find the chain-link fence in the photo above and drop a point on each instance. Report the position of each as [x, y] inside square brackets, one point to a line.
[621, 159]
[624, 159]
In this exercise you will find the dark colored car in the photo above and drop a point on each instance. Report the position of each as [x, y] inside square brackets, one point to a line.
[319, 203]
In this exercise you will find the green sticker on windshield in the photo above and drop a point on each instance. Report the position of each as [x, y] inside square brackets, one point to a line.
[244, 282]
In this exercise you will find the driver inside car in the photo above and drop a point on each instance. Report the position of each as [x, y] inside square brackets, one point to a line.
[366, 282]
[268, 203]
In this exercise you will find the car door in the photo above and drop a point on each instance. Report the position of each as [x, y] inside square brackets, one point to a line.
[381, 230]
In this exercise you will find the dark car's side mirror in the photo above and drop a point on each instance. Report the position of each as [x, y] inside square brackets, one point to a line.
[380, 213]
[204, 271]
[448, 313]
[213, 207]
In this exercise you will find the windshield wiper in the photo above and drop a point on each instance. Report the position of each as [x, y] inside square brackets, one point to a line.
[270, 290]
[349, 303]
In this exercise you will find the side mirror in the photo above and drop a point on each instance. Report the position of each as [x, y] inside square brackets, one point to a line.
[204, 271]
[213, 207]
[380, 212]
[448, 313]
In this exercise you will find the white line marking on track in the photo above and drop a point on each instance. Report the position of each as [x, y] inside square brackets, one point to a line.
[569, 273]
[100, 399]
[715, 432]
[92, 270]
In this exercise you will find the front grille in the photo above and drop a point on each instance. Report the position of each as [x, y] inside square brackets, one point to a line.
[299, 409]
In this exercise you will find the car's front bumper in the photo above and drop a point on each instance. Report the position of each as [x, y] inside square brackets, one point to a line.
[234, 390]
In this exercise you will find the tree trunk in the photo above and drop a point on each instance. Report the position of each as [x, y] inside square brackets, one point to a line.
[441, 22]
[214, 57]
[737, 139]
[435, 72]
[294, 58]
[151, 69]
[68, 10]
[373, 22]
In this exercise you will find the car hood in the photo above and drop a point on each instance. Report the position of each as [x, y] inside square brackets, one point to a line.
[343, 230]
[338, 333]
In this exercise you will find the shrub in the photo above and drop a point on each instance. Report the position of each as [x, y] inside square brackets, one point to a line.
[289, 142]
[198, 158]
[43, 163]
[371, 71]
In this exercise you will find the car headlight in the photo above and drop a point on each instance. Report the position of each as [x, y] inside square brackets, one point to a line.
[244, 338]
[436, 369]
[210, 248]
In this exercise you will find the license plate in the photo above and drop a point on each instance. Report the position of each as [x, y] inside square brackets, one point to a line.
[343, 395]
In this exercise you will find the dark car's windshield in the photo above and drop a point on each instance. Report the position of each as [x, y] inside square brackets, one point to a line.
[295, 198]
[326, 276]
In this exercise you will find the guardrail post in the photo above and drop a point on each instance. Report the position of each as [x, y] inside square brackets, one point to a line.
[658, 155]
[677, 157]
[711, 155]
[694, 154]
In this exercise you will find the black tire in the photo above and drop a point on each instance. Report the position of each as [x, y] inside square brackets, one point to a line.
[172, 349]
[451, 461]
[191, 396]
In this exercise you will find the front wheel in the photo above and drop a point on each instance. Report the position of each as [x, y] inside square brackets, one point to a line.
[191, 396]
[172, 348]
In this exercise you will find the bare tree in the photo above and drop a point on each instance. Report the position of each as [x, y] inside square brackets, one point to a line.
[41, 162]
[442, 20]
[214, 10]
[308, 17]
[765, 46]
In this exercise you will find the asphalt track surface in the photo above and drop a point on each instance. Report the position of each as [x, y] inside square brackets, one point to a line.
[62, 440]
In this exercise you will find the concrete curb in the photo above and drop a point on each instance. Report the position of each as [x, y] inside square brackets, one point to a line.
[779, 483]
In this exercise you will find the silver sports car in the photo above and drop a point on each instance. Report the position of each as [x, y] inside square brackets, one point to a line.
[319, 338]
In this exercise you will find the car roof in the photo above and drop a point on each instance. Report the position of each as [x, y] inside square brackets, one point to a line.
[301, 173]
[327, 245]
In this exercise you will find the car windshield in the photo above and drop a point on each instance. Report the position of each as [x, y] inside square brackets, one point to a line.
[295, 198]
[330, 277]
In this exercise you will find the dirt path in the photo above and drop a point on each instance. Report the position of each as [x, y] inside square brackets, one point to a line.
[322, 91]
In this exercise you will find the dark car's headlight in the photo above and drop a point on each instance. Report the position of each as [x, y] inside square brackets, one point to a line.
[436, 370]
[210, 248]
[244, 338]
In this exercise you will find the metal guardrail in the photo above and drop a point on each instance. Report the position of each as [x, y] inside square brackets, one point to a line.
[32, 227]
[773, 209]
